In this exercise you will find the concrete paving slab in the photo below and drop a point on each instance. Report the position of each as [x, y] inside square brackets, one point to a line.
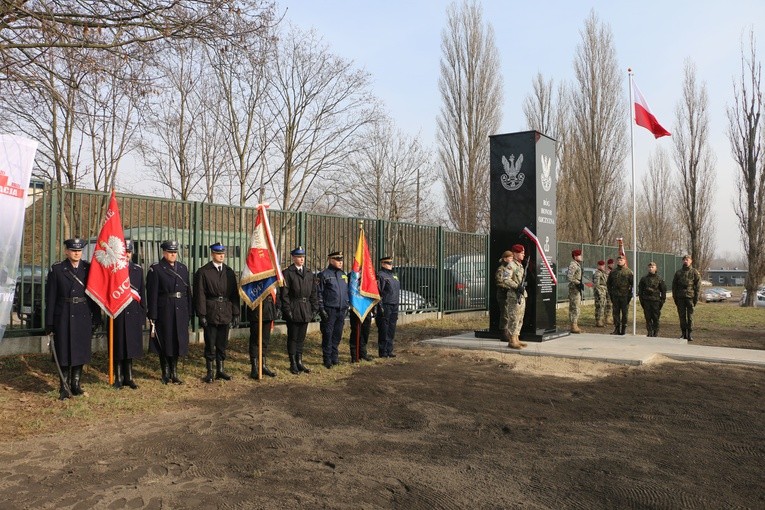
[627, 349]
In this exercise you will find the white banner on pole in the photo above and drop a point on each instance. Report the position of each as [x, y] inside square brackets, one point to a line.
[17, 156]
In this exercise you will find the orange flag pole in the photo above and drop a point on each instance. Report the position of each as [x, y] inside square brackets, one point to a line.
[260, 340]
[111, 351]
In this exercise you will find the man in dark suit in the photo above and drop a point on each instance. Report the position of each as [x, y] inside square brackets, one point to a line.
[387, 309]
[168, 295]
[70, 315]
[128, 326]
[299, 305]
[216, 299]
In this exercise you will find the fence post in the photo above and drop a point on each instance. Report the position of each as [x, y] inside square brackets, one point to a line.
[440, 267]
[301, 226]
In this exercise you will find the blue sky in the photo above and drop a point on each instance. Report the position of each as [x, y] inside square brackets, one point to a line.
[398, 42]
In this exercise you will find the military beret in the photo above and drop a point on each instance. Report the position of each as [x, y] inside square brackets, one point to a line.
[171, 246]
[386, 260]
[687, 256]
[518, 248]
[601, 263]
[74, 244]
[338, 255]
[298, 252]
[128, 245]
[610, 261]
[505, 254]
[576, 253]
[217, 248]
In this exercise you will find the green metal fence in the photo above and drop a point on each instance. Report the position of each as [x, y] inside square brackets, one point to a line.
[439, 270]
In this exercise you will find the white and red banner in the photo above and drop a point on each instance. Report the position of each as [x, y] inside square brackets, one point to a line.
[109, 276]
[17, 156]
[541, 252]
[643, 115]
[262, 273]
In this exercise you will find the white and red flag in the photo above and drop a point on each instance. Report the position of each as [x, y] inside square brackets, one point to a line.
[109, 276]
[261, 274]
[643, 115]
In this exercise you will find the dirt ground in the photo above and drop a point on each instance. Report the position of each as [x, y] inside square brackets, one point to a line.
[431, 428]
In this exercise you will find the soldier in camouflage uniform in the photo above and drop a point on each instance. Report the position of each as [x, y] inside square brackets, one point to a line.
[652, 292]
[686, 286]
[508, 277]
[575, 290]
[607, 319]
[620, 284]
[599, 280]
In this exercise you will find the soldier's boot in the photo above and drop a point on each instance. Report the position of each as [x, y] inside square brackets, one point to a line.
[266, 371]
[76, 376]
[128, 372]
[327, 363]
[63, 385]
[117, 375]
[522, 344]
[513, 343]
[684, 335]
[688, 335]
[599, 323]
[208, 378]
[293, 364]
[220, 372]
[165, 366]
[172, 362]
[299, 362]
[656, 331]
[575, 328]
[616, 330]
[623, 330]
[254, 368]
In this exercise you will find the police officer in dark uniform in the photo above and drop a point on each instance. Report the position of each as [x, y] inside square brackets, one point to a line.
[620, 286]
[216, 299]
[70, 315]
[686, 286]
[333, 307]
[270, 309]
[652, 292]
[387, 309]
[128, 326]
[299, 305]
[169, 309]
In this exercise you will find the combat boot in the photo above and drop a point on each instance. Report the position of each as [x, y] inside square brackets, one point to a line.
[117, 375]
[266, 370]
[513, 343]
[63, 389]
[209, 377]
[688, 335]
[599, 323]
[656, 331]
[684, 335]
[172, 362]
[575, 328]
[254, 368]
[128, 373]
[76, 376]
[518, 339]
[299, 362]
[164, 365]
[293, 364]
[623, 330]
[220, 372]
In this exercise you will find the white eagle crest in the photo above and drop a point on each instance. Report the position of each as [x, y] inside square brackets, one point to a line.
[512, 179]
[546, 177]
[111, 254]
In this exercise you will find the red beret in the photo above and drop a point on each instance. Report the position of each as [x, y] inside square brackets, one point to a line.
[610, 261]
[576, 253]
[601, 263]
[517, 248]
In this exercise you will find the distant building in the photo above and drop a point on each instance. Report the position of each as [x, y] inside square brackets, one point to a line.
[724, 276]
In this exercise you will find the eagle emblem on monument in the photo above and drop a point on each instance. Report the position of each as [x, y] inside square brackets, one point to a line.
[512, 179]
[545, 176]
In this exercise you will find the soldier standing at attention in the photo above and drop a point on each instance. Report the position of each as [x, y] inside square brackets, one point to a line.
[168, 296]
[620, 288]
[299, 304]
[334, 301]
[502, 279]
[516, 297]
[652, 292]
[609, 268]
[128, 326]
[599, 280]
[686, 286]
[70, 315]
[216, 299]
[387, 309]
[575, 290]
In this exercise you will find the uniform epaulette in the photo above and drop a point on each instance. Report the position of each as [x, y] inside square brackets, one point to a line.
[57, 263]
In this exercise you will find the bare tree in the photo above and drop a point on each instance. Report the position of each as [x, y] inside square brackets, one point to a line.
[747, 141]
[696, 165]
[596, 146]
[320, 102]
[656, 207]
[471, 94]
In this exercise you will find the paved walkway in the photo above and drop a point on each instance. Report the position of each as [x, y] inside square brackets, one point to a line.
[628, 349]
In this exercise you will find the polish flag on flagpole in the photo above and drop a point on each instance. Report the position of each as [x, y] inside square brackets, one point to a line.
[643, 115]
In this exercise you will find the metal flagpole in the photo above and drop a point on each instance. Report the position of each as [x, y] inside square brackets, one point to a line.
[634, 216]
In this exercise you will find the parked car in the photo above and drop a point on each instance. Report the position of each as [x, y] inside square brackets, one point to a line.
[711, 296]
[411, 302]
[27, 300]
[723, 292]
[472, 268]
[759, 302]
[423, 280]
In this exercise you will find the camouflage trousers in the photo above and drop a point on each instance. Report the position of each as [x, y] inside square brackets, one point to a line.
[607, 309]
[515, 311]
[602, 304]
[574, 304]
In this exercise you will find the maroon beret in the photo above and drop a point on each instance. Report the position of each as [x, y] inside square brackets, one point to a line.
[518, 248]
[601, 263]
[576, 253]
[610, 261]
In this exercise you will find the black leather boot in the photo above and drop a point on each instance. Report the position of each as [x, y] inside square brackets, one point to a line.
[327, 363]
[684, 335]
[64, 391]
[76, 376]
[254, 367]
[209, 377]
[172, 362]
[688, 335]
[165, 366]
[293, 364]
[266, 370]
[117, 375]
[623, 330]
[128, 372]
[616, 330]
[299, 362]
[220, 372]
[656, 331]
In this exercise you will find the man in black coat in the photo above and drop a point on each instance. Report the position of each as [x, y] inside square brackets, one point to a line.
[168, 296]
[216, 299]
[264, 327]
[387, 309]
[70, 315]
[299, 305]
[334, 301]
[128, 326]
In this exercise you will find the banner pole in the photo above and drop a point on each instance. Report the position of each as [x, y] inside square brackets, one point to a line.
[358, 340]
[260, 340]
[111, 351]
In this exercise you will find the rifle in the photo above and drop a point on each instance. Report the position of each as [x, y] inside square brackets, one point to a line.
[522, 285]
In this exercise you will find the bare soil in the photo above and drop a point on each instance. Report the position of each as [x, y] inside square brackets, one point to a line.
[431, 428]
